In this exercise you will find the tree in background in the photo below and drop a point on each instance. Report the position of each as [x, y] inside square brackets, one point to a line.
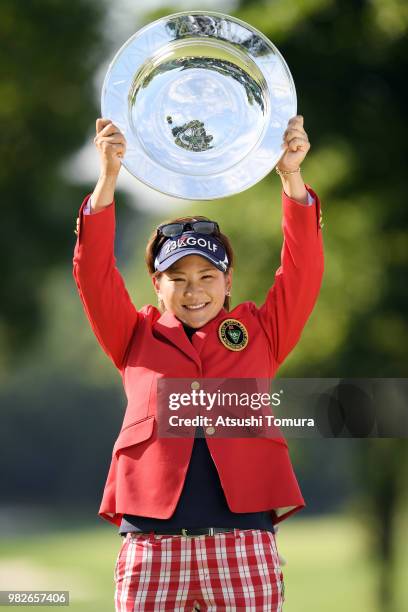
[50, 53]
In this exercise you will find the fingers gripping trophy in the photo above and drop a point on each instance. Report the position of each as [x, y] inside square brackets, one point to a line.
[190, 118]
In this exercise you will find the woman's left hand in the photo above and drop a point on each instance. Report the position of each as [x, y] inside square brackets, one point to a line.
[296, 145]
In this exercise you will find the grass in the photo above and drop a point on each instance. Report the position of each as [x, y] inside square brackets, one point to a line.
[328, 567]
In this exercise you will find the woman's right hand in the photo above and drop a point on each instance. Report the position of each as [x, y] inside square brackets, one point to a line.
[111, 145]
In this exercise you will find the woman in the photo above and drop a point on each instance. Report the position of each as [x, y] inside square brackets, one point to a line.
[197, 515]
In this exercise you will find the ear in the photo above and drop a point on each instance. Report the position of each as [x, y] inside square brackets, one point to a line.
[228, 279]
[156, 284]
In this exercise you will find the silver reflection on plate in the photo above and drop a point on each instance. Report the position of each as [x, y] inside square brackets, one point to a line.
[203, 100]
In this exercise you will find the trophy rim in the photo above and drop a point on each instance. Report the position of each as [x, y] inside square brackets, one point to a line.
[256, 171]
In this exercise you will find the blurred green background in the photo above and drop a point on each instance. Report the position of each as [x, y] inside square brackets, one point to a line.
[62, 402]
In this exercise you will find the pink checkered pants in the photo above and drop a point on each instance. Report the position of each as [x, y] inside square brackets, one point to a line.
[237, 570]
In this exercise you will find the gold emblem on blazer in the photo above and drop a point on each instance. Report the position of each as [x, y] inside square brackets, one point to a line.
[233, 334]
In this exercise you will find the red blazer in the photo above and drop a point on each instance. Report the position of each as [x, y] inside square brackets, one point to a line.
[147, 472]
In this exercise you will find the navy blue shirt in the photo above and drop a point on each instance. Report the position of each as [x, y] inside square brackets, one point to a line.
[202, 501]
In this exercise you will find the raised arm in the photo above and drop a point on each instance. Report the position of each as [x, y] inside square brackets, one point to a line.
[290, 300]
[106, 302]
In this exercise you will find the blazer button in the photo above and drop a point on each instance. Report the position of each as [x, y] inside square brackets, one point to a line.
[195, 385]
[210, 430]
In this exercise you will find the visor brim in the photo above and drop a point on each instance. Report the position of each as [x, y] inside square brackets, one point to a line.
[164, 265]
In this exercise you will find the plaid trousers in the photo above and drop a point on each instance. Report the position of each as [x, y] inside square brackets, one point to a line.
[237, 570]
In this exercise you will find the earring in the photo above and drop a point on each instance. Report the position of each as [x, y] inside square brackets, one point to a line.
[228, 292]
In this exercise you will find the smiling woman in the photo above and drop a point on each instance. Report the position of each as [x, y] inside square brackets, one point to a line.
[207, 504]
[177, 266]
[194, 293]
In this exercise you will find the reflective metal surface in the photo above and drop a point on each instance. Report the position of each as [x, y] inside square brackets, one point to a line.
[203, 100]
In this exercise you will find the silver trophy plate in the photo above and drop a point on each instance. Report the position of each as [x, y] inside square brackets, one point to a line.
[203, 100]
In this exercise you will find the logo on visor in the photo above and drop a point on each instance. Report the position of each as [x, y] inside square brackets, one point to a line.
[190, 241]
[233, 334]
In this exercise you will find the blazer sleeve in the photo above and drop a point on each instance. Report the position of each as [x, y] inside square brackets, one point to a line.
[108, 307]
[290, 300]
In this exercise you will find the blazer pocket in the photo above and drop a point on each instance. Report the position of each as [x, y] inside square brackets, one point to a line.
[134, 434]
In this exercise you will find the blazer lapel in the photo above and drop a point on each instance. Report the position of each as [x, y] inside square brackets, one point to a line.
[207, 330]
[171, 328]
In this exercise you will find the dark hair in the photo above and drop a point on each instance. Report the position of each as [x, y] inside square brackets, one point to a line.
[155, 242]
